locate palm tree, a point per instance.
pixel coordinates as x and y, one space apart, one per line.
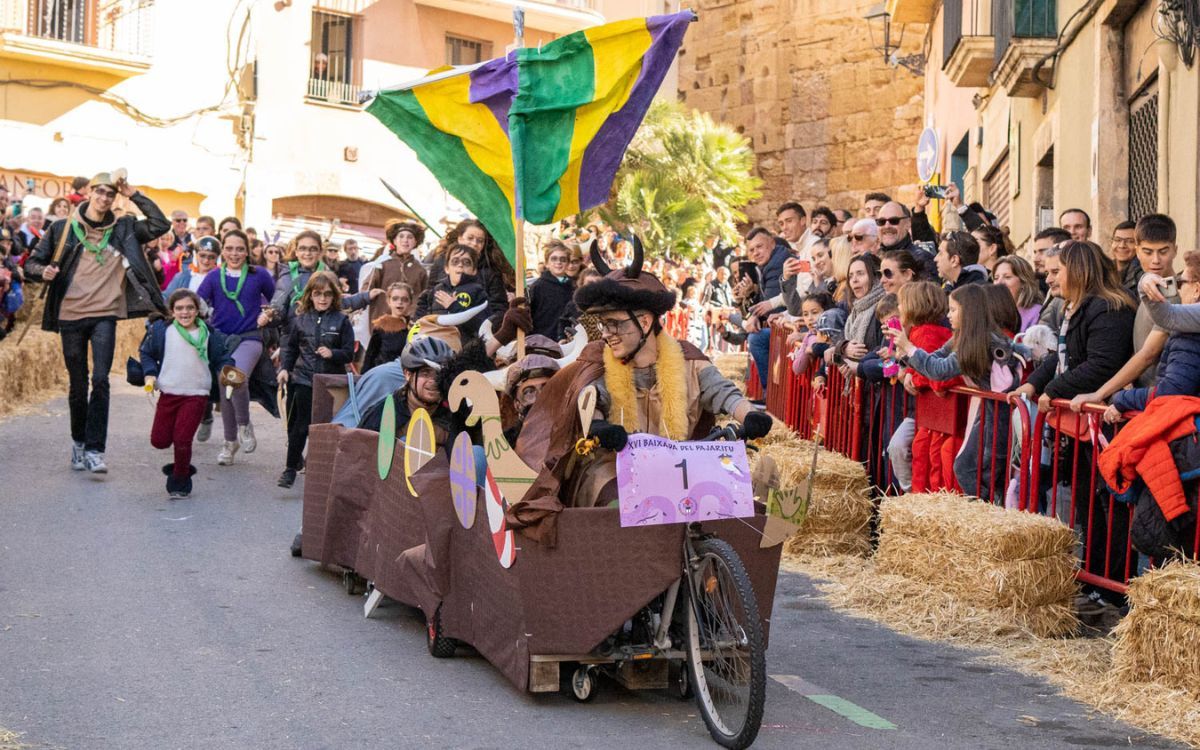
684 181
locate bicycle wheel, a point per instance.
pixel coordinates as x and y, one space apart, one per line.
726 657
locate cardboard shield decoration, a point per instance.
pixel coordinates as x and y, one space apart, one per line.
387 437
418 446
502 536
587 407
463 489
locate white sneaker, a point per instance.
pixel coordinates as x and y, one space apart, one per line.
225 457
204 432
94 462
246 438
77 456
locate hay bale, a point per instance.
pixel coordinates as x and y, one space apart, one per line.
1019 565
975 527
838 517
734 366
34 372
1159 640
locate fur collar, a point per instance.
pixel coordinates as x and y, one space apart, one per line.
672 387
390 323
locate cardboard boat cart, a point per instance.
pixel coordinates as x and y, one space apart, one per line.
552 606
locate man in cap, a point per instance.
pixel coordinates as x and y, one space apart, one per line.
646 381
97 275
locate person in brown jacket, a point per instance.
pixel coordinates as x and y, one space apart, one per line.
403 237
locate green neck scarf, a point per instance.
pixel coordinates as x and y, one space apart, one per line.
294 270
245 269
96 250
199 342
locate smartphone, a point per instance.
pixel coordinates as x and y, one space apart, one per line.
1168 287
935 191
29 184
748 270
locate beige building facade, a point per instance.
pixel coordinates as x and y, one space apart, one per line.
246 107
1041 106
829 119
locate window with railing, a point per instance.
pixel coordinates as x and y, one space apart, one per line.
461 50
333 73
116 25
1017 19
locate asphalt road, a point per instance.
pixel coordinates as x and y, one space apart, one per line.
131 621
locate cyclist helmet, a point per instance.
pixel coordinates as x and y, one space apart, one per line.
425 351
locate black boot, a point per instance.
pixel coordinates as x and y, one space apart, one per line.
287 478
178 489
296 544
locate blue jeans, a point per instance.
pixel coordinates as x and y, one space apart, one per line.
89 415
760 349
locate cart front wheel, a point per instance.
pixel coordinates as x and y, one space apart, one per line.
440 647
726 657
583 684
679 682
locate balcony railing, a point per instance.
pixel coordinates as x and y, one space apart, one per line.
1016 19
963 18
334 92
120 26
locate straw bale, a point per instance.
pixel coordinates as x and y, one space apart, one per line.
1019 584
827 544
734 366
34 372
1174 588
1153 645
976 527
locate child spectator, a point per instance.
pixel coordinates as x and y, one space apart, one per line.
320 340
988 360
927 460
181 357
697 327
550 294
887 403
457 290
830 331
810 312
390 332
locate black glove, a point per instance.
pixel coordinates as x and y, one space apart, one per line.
611 436
757 424
516 316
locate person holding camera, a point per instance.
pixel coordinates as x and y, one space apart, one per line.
97 274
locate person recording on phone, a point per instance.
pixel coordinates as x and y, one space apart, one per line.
97 274
764 297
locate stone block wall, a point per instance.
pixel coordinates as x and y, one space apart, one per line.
829 120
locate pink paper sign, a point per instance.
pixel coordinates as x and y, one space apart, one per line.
661 482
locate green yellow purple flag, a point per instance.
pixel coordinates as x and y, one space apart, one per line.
538 134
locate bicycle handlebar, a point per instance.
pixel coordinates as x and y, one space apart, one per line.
731 431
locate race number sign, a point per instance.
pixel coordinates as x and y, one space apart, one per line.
661 482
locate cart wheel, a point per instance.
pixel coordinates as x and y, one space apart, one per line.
583 684
726 656
679 684
440 647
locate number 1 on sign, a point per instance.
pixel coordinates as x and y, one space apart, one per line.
682 466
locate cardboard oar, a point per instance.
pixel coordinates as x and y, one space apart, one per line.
387 437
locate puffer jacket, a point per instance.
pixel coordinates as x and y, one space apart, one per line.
310 331
142 293
1178 374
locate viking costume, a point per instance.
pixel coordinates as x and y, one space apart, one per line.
676 397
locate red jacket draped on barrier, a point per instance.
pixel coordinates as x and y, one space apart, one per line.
1142 449
933 451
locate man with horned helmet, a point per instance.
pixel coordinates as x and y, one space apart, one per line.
646 381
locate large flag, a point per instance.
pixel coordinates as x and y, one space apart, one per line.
539 133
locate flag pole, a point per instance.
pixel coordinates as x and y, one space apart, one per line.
518 220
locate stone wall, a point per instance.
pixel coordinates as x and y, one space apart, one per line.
829 120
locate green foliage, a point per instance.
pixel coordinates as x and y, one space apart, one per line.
684 181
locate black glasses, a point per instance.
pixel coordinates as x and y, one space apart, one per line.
104 192
888 273
179 221
894 221
858 237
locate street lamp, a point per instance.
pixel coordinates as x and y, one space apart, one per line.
878 16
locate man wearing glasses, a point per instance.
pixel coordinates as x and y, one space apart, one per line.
1123 251
97 275
895 227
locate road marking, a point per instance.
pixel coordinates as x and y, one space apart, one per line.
837 704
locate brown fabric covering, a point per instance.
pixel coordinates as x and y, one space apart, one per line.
390 323
560 601
549 435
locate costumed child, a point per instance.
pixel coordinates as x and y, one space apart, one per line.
181 357
319 341
927 459
988 360
389 333
458 290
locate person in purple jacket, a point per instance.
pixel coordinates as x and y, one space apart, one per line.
236 293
